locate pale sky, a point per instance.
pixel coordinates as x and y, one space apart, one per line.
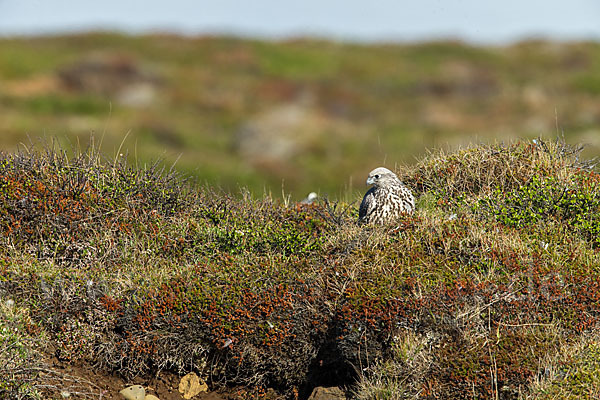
367 20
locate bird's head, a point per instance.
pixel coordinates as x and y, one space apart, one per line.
381 177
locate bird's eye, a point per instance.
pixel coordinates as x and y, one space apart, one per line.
376 176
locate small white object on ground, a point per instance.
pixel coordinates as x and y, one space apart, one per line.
311 198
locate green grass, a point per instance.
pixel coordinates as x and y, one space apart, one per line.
492 283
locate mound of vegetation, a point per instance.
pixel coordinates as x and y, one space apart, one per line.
490 290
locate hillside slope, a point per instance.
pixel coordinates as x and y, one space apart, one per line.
490 290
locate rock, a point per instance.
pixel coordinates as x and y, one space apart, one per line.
327 393
278 133
290 129
135 392
151 397
137 95
114 75
191 385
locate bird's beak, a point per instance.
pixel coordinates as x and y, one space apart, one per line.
370 180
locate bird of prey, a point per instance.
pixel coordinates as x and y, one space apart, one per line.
386 200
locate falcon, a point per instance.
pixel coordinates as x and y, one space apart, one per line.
386 200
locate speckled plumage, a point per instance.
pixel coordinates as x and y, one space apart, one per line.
386 200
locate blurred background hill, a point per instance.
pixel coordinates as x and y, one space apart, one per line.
305 111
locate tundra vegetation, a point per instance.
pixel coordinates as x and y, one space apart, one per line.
313 114
491 289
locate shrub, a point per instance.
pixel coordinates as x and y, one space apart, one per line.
575 203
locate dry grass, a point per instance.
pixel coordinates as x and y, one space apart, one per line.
401 376
573 372
477 171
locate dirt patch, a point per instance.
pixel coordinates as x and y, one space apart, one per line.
84 381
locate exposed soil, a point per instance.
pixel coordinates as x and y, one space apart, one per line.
84 381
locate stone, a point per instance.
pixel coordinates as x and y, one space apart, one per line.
135 392
151 397
191 385
327 393
113 75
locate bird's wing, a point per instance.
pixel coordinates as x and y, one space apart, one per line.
367 205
